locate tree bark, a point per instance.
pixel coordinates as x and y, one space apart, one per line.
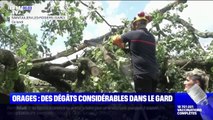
90 66
108 57
91 42
56 74
186 64
10 71
171 5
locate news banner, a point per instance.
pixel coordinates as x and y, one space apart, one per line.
88 98
183 106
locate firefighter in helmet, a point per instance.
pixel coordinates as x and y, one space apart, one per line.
142 48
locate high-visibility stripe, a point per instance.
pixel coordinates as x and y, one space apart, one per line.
143 41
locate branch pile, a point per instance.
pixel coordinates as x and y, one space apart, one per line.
58 75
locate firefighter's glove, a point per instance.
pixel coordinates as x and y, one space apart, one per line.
116 40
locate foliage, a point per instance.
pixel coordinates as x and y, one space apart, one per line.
17 39
26 2
7 80
73 25
8 76
20 41
111 78
174 41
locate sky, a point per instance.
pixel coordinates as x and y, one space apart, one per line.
115 11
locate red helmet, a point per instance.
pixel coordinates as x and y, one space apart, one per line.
143 16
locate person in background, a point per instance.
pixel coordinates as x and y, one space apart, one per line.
142 48
196 85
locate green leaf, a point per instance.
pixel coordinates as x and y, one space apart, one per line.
13 28
52 40
40 48
23 50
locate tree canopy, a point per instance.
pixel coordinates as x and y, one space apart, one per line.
103 67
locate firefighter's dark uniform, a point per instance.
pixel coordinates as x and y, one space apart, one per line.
143 56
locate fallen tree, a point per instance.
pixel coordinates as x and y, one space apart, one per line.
59 76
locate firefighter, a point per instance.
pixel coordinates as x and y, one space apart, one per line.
142 48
